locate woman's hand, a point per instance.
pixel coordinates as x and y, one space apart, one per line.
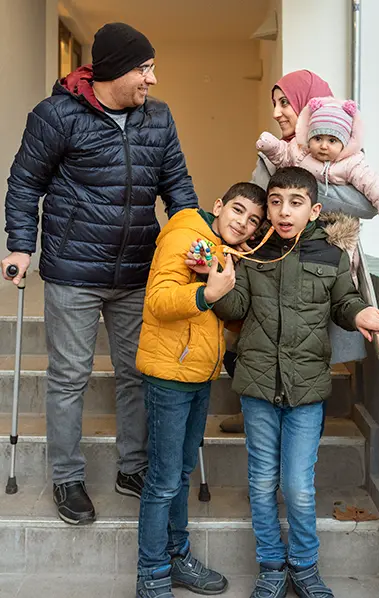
367 322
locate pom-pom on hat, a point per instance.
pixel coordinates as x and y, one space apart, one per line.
329 118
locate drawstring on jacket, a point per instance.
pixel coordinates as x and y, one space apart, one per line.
325 173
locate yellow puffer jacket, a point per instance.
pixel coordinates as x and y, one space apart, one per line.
178 341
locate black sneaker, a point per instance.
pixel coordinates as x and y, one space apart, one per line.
131 485
188 572
307 583
74 504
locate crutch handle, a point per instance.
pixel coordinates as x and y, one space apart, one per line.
11 271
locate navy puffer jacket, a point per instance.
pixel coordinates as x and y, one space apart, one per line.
98 225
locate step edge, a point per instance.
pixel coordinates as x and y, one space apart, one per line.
325 440
324 524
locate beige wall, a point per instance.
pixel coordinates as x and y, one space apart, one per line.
22 51
271 55
215 109
52 33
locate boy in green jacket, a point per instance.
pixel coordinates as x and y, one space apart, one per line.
283 372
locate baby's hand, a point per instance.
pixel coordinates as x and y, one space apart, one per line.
193 264
266 141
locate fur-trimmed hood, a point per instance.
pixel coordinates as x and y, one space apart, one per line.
302 127
342 230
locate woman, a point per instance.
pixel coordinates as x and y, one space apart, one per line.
289 96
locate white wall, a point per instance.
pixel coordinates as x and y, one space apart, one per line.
316 36
369 107
22 51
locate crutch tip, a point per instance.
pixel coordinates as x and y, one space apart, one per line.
204 494
11 487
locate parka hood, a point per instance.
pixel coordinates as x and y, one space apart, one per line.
79 84
341 229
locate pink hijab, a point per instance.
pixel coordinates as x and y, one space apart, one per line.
300 87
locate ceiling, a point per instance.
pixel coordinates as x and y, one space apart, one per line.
174 20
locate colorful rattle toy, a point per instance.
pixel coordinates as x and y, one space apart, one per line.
202 253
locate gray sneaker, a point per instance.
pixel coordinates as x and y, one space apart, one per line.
189 573
271 584
308 583
156 586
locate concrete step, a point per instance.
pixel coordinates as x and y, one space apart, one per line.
33 336
221 536
123 586
100 393
341 454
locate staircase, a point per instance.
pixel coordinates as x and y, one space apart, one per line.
42 554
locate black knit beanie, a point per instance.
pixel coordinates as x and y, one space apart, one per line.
117 49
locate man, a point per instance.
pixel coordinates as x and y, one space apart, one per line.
101 151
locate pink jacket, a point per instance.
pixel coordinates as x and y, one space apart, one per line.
349 168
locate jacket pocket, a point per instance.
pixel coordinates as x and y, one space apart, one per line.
191 344
317 280
67 229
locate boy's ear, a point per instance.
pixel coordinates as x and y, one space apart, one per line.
217 207
315 212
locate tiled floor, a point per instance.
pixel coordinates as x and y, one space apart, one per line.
59 586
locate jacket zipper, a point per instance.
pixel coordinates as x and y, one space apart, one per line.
218 351
128 192
66 232
127 201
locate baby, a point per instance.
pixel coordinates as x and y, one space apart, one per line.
328 143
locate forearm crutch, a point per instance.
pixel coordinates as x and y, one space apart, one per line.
204 494
11 487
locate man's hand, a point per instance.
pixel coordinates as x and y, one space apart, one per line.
367 321
21 260
219 283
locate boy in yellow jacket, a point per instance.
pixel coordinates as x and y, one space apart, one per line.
180 351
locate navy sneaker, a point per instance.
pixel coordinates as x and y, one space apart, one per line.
188 572
271 583
158 585
307 583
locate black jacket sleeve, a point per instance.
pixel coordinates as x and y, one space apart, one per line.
175 185
41 150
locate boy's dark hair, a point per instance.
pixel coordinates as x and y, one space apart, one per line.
294 177
249 190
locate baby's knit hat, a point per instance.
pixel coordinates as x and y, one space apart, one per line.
331 119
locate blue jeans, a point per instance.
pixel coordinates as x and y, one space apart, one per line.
176 424
230 366
282 444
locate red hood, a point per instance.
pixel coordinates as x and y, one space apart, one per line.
79 83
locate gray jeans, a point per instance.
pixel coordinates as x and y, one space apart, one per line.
71 320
